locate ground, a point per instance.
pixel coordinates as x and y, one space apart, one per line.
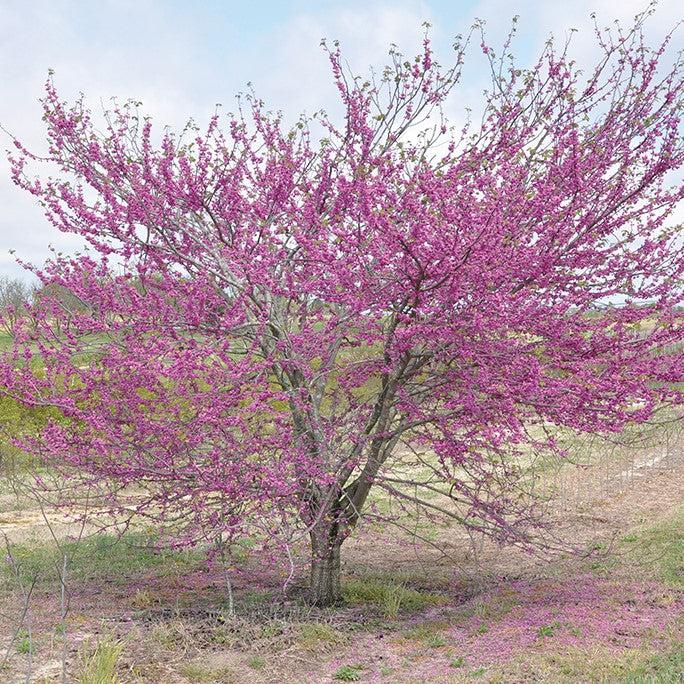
447 611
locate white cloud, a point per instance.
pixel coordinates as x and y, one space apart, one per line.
41 35
299 78
140 49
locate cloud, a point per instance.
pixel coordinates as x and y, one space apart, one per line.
103 55
300 80
141 50
180 60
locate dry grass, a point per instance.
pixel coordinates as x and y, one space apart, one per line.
404 608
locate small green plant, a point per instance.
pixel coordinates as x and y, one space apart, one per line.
315 635
172 634
24 644
348 673
391 601
458 661
143 599
478 672
436 641
548 630
256 663
99 666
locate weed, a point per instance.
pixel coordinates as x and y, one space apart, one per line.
497 607
256 663
390 597
348 673
172 634
548 630
392 600
436 641
24 643
99 666
143 599
199 674
314 635
458 661
429 633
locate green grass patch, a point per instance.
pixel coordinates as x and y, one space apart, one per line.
429 633
661 548
389 597
665 668
478 672
99 665
348 673
105 557
198 673
597 664
316 636
24 643
495 608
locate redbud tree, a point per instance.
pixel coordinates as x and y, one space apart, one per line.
271 321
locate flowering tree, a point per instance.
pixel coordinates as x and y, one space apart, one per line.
270 321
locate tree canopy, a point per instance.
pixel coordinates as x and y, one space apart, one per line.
271 320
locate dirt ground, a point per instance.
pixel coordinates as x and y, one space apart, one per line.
487 613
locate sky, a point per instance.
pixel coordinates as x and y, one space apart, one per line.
181 58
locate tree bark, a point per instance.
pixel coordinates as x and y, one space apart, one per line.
325 589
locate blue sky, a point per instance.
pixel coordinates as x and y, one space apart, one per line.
180 58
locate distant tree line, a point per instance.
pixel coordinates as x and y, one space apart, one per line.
15 295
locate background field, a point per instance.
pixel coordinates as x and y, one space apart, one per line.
447 609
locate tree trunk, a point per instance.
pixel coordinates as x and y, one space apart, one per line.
325 589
